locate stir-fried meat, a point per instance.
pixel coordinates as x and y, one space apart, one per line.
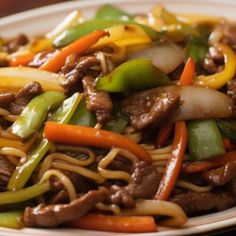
70 63
54 215
41 58
24 96
144 184
149 108
16 43
232 186
6 98
74 77
194 203
97 101
229 34
6 170
221 175
231 91
121 164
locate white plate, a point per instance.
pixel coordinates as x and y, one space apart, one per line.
41 20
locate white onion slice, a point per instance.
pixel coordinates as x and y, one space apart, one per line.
166 56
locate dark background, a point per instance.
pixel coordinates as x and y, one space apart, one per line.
8 7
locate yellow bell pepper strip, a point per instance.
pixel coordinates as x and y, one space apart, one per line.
14 78
174 164
23 172
92 137
219 79
24 194
125 224
11 219
34 114
78 47
133 75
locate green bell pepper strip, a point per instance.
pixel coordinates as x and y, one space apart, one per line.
110 12
227 129
34 114
82 116
11 219
133 75
196 49
86 27
117 124
204 139
24 194
22 173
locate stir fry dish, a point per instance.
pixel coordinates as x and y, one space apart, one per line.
120 123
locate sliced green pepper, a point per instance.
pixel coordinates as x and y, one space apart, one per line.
24 194
11 219
82 116
22 173
117 124
133 75
197 49
110 12
204 139
34 114
97 24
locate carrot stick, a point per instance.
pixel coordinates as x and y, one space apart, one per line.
78 46
188 73
126 224
93 137
199 166
21 60
163 135
174 164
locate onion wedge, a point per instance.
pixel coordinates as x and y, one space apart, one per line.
14 78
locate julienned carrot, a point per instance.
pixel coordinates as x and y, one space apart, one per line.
199 166
78 47
21 60
188 73
93 137
125 224
174 164
163 135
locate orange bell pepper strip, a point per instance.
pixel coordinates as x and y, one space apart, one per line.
174 164
163 135
22 60
125 224
188 74
199 166
79 46
93 137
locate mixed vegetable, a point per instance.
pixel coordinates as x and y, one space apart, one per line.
118 122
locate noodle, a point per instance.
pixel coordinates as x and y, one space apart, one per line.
157 207
12 159
193 187
10 117
4 112
115 174
109 207
133 134
64 180
12 151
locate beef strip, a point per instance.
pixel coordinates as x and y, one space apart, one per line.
149 108
54 215
143 185
70 63
221 175
194 203
97 101
74 77
6 98
14 44
6 170
24 96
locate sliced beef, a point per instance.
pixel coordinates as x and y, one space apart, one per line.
24 96
70 63
143 185
14 44
97 101
74 77
221 175
148 108
6 170
194 203
54 215
6 98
